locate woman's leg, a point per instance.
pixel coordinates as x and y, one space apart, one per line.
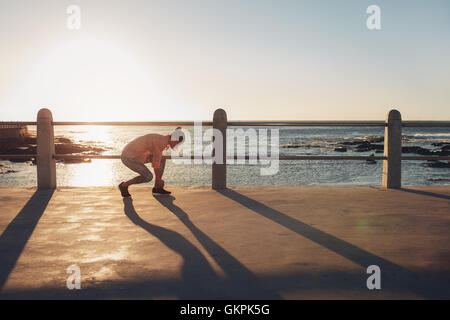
136 180
136 166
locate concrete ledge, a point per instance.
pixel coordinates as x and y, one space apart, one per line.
243 242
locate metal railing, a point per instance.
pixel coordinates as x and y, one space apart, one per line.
46 156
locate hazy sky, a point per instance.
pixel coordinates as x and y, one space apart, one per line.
158 60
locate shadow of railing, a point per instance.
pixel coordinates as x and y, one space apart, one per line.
17 233
393 275
426 193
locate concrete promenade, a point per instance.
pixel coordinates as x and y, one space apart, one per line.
243 242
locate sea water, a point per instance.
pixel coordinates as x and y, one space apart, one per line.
313 141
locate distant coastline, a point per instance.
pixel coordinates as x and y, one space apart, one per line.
17 140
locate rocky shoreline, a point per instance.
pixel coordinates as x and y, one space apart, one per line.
364 146
27 146
375 144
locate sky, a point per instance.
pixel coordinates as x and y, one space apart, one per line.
259 60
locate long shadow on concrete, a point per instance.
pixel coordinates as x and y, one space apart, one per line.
241 283
196 271
307 285
17 233
426 193
393 276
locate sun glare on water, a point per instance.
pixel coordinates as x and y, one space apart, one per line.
92 134
97 172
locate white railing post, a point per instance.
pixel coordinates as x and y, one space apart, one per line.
392 166
46 164
219 171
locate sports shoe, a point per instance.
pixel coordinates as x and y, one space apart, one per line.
124 191
160 191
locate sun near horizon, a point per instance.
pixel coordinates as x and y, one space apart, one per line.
156 61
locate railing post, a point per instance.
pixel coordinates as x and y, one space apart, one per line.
46 164
219 171
392 166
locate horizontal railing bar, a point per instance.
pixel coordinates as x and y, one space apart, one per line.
334 158
338 123
412 124
239 123
111 123
136 123
265 158
58 156
75 157
306 124
18 123
17 156
426 158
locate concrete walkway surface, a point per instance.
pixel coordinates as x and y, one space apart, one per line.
240 243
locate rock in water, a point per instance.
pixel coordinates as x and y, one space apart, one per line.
340 149
436 164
